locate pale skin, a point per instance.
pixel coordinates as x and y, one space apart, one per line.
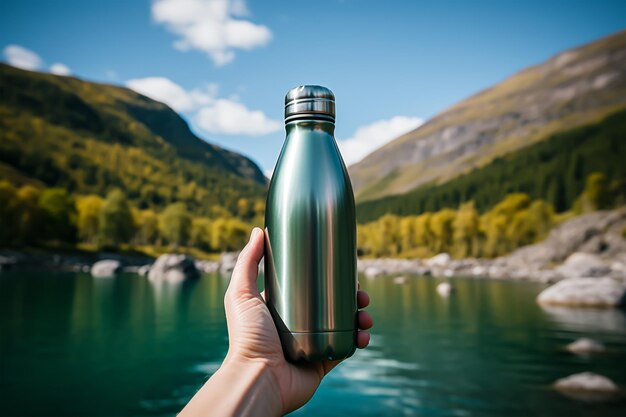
255 379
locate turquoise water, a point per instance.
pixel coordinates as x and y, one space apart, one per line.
72 345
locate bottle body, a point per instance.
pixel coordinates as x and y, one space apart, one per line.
310 255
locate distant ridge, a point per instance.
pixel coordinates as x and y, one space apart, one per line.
576 87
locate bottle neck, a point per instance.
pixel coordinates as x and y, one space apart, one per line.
311 124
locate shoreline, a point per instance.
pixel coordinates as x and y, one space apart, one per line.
503 268
442 265
591 245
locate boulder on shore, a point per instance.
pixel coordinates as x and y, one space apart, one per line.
106 268
440 260
585 346
208 267
587 386
584 292
228 260
597 232
580 264
173 268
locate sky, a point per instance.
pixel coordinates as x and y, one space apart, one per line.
225 65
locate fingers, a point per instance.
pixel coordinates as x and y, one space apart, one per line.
362 339
362 299
246 269
364 320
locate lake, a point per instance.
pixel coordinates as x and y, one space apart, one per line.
72 345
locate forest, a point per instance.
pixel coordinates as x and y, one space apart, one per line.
554 170
52 216
515 221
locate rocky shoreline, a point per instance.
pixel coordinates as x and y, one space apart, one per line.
591 245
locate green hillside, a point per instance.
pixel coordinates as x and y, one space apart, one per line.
89 138
553 169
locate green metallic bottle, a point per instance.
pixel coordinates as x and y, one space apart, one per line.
310 232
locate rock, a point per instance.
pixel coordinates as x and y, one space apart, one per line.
576 235
173 268
400 280
106 268
585 346
208 266
479 271
228 260
586 381
7 263
132 269
441 260
618 267
445 289
372 271
143 270
584 292
580 264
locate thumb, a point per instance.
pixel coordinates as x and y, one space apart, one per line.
246 269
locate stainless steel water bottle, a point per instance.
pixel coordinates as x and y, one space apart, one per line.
310 232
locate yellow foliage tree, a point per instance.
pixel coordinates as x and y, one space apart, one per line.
88 208
466 228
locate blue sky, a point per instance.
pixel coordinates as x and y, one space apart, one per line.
226 64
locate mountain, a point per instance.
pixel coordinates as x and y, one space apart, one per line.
556 170
89 137
574 88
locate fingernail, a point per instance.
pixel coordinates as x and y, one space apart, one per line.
255 232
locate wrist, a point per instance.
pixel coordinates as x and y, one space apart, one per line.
238 388
254 379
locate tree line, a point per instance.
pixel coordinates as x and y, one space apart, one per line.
32 216
515 221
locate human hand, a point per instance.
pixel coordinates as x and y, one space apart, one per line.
255 378
253 335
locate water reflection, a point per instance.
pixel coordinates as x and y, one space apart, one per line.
126 346
587 319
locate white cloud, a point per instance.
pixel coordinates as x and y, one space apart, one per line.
229 117
211 26
368 138
165 90
226 116
21 57
60 69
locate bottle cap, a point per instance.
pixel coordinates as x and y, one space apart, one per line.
310 101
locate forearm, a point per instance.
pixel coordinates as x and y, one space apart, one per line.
237 389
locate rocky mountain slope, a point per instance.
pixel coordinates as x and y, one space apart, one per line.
576 87
88 137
